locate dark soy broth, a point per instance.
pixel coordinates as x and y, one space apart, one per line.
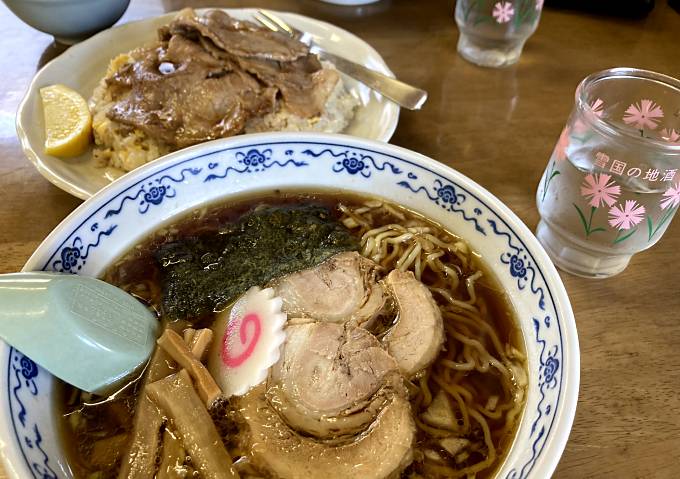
96 430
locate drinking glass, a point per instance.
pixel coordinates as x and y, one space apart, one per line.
612 186
493 32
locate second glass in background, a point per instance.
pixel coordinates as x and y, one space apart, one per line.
493 32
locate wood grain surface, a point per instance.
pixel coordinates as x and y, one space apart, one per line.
498 127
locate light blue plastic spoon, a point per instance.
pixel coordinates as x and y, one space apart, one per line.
82 330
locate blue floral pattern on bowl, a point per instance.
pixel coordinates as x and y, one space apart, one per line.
23 390
354 162
261 165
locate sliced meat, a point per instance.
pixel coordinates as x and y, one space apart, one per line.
332 379
382 451
184 53
304 85
238 38
418 335
183 96
181 115
209 75
275 59
306 95
340 289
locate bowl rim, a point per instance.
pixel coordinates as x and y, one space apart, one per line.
558 295
33 90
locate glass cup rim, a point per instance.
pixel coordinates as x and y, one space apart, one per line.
606 128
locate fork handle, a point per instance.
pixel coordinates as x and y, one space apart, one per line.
399 92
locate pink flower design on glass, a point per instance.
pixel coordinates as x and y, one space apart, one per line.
643 114
624 218
671 197
503 12
600 189
597 107
539 5
562 145
670 135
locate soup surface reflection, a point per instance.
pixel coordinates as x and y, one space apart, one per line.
402 356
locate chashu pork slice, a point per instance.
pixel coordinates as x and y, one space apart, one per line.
382 451
340 289
332 380
418 335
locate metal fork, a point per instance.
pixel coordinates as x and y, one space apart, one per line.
399 92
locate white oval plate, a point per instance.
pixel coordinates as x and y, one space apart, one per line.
83 65
103 228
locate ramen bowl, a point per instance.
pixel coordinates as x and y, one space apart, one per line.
129 210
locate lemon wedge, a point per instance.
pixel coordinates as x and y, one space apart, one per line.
68 123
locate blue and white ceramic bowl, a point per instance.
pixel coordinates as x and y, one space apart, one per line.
125 212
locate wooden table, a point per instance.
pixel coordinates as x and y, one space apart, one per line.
498 127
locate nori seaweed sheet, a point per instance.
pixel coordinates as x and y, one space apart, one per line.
205 273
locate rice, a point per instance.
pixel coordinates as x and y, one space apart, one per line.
126 148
